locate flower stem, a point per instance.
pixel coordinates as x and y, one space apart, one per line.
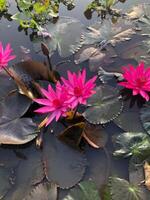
8 72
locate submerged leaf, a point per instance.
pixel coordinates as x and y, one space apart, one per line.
104 106
86 190
72 135
95 135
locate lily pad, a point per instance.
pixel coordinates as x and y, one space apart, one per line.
122 189
86 190
132 144
63 165
13 106
65 36
129 121
104 106
106 32
18 131
145 117
5 176
45 191
29 173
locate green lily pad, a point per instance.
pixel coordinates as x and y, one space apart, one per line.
122 189
131 143
145 117
104 106
86 190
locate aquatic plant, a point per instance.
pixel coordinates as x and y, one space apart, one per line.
79 90
137 79
55 102
5 55
3 5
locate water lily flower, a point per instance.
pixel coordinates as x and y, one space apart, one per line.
54 103
5 55
78 89
137 79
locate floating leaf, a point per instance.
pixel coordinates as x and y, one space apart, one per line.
5 176
121 189
95 135
7 85
63 165
13 106
107 32
104 106
95 56
145 117
132 144
65 36
28 174
105 76
129 121
18 131
45 191
86 190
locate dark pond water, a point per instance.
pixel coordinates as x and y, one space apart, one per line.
100 162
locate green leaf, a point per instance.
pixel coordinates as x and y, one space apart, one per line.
104 106
86 190
122 189
132 144
145 117
109 3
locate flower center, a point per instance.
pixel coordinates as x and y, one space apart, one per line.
141 81
56 103
77 91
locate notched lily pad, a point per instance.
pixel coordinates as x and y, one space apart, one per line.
45 191
63 165
86 190
131 143
122 189
104 106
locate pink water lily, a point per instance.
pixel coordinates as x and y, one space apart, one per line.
78 89
137 79
54 103
5 55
